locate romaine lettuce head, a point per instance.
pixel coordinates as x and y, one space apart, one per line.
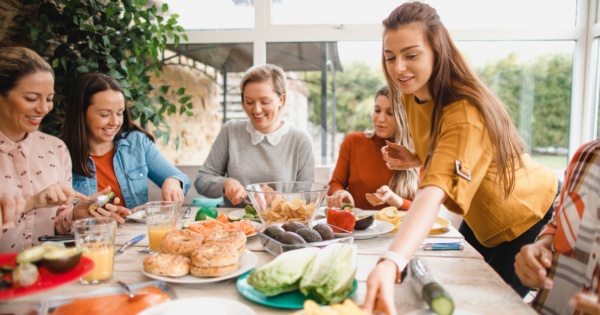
283 273
333 286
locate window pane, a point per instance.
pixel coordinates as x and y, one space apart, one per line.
509 14
218 15
534 79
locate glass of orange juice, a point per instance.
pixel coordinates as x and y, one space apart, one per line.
96 238
161 217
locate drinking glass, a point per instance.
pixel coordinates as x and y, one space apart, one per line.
96 238
161 217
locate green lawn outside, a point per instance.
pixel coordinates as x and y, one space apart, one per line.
555 162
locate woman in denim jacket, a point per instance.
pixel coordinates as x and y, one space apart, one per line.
110 152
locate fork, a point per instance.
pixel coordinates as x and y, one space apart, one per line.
145 250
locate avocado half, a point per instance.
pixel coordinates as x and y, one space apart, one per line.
62 260
363 221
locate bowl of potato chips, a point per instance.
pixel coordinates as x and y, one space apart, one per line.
280 202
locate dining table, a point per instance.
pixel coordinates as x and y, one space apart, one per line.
473 285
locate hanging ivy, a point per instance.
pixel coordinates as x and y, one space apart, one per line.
122 38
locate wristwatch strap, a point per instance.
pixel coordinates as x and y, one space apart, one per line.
398 260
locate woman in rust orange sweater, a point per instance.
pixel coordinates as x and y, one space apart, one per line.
361 170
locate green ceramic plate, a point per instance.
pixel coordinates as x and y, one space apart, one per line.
292 300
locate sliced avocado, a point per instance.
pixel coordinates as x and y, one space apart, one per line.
233 218
34 254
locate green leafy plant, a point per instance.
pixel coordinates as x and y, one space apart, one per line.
122 38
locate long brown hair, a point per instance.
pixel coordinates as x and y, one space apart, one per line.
403 183
452 79
74 132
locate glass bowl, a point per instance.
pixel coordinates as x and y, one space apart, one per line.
280 202
275 247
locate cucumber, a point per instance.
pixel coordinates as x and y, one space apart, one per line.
431 291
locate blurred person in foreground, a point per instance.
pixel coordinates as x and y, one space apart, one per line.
35 167
360 170
473 157
262 149
564 261
112 153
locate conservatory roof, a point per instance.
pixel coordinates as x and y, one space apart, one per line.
238 57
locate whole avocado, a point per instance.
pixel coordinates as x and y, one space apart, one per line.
324 230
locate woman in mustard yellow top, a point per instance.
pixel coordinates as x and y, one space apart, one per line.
473 158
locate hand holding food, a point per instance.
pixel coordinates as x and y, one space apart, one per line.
339 198
234 191
54 195
398 157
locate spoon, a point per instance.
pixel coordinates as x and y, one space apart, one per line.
126 288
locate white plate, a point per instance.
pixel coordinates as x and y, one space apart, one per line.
240 213
204 305
377 228
138 216
247 261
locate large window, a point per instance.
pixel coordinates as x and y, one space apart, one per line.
536 56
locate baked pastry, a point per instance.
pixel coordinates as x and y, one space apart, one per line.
236 238
167 265
214 260
181 242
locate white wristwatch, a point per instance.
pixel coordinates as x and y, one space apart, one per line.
398 260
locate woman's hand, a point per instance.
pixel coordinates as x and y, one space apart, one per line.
234 191
80 211
398 157
386 195
585 303
339 198
531 264
380 289
11 208
54 195
172 191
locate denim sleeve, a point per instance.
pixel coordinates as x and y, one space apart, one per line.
159 168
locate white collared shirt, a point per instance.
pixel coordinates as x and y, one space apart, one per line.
273 138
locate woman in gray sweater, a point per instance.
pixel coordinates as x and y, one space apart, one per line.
261 149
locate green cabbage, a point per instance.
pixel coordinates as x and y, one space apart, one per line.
283 273
330 276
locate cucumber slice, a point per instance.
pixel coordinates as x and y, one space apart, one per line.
438 299
233 218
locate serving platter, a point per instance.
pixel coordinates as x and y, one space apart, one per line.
47 280
247 261
289 300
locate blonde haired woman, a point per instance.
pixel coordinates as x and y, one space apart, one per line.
262 149
361 170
